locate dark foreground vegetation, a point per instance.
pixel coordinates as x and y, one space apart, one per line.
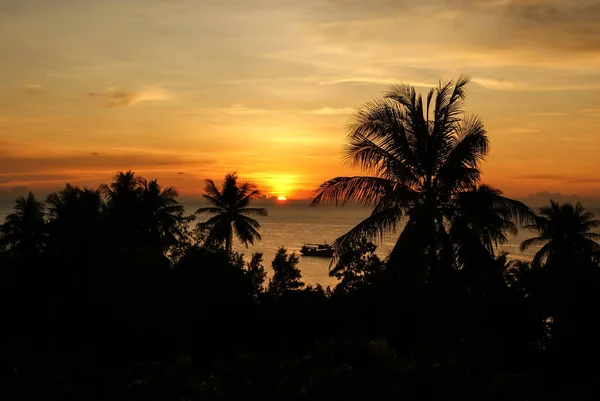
109 295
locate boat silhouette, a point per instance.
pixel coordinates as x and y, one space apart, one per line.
323 250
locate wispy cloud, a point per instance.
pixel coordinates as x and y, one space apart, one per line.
518 130
95 161
238 109
496 84
331 111
372 79
538 177
114 97
547 114
32 89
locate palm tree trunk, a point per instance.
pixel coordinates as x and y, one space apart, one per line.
229 240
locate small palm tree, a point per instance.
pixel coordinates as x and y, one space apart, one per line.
481 220
124 191
163 212
230 207
24 231
74 206
516 273
565 234
75 216
420 156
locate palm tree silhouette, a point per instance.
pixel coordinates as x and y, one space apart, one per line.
124 209
517 274
481 220
23 233
565 234
230 205
74 222
567 283
163 213
421 155
124 192
73 206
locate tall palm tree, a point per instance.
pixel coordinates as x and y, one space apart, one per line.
420 155
124 191
163 212
565 234
124 211
230 207
23 233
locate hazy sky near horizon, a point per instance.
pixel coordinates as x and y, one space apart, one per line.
183 90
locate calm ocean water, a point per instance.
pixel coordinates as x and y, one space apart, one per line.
295 223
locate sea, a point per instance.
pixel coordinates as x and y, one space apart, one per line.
294 223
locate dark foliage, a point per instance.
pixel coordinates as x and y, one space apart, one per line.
286 275
110 294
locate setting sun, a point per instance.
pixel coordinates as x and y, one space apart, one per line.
281 198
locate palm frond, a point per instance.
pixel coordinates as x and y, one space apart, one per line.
460 167
209 210
245 230
528 243
249 211
362 190
542 254
246 196
379 142
592 237
372 228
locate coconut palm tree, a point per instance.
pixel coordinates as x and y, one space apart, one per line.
481 220
565 234
163 213
124 212
420 156
568 282
232 214
23 233
124 192
74 220
74 206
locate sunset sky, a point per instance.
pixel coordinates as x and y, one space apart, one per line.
183 90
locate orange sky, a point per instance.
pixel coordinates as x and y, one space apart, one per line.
182 90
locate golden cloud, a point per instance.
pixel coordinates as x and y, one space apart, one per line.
32 89
115 97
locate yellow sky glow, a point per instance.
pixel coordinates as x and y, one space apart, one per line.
183 90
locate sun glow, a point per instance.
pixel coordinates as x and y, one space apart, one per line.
280 184
281 198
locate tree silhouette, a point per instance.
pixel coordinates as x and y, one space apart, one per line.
74 230
23 233
256 272
123 195
357 268
568 282
486 218
565 234
163 213
73 209
422 155
230 205
481 221
286 275
518 275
